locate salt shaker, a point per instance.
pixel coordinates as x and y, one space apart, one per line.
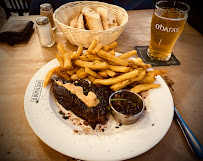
47 10
44 31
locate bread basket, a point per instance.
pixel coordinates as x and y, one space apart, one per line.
80 37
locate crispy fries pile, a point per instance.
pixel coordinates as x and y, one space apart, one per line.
100 65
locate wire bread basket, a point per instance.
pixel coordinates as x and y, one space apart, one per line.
80 37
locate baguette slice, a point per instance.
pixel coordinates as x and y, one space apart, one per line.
80 23
74 21
108 18
92 18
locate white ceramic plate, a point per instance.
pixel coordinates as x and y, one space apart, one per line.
114 143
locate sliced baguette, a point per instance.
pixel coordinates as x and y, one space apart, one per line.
80 23
74 21
92 18
108 18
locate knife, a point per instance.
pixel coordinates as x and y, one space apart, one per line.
190 137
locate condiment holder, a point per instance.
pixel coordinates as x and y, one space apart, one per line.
44 31
123 118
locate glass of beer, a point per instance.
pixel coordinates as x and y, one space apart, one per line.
167 23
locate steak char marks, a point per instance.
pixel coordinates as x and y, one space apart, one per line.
92 115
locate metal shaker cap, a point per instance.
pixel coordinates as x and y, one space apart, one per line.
45 7
42 20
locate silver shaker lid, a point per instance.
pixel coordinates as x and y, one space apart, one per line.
45 7
42 20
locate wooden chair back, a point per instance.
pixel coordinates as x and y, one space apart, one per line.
16 6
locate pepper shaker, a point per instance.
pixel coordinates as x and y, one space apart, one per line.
44 31
47 10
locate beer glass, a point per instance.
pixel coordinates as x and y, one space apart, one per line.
167 23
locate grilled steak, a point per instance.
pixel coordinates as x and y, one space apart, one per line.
92 115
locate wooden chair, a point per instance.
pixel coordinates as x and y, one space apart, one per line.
16 6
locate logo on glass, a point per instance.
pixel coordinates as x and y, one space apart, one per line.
167 29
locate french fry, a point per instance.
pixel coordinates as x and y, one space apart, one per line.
80 70
112 52
138 60
124 83
87 57
112 58
78 53
90 58
61 73
91 65
158 72
67 61
103 74
92 73
98 58
96 49
117 79
73 71
74 77
86 53
97 61
100 65
110 46
119 68
135 64
61 48
144 87
81 73
91 78
128 54
149 78
110 72
112 63
132 64
144 65
65 55
92 45
60 59
49 75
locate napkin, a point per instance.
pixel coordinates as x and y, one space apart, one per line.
15 31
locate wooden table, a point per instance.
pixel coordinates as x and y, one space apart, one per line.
20 62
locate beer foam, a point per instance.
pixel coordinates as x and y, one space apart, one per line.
172 19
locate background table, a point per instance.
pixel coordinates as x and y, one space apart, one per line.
20 62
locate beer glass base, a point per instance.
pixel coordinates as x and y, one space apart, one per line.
153 57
